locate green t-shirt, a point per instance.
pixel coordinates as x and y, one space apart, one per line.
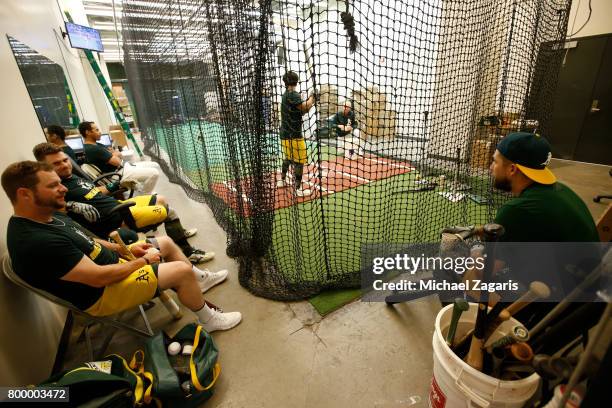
68 150
98 155
42 254
291 116
340 119
83 191
547 213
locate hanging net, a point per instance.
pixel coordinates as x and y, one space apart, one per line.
411 99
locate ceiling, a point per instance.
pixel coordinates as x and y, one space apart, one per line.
105 16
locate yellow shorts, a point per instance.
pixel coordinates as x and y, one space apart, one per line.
139 287
145 212
295 150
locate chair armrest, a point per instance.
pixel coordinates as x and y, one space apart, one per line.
106 175
122 206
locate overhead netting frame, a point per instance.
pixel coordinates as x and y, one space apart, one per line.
433 84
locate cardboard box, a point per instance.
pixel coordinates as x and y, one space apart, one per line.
119 138
482 153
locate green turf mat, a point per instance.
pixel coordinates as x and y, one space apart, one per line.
330 300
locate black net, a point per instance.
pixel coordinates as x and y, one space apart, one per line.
432 86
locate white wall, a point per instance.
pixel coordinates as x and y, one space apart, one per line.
600 22
394 57
30 327
104 111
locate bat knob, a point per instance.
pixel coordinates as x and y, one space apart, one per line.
461 304
493 231
539 289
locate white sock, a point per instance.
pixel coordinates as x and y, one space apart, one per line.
172 215
200 274
205 314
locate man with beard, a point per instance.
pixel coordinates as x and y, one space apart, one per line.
51 252
542 209
91 206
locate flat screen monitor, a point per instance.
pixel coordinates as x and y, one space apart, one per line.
84 37
106 140
76 143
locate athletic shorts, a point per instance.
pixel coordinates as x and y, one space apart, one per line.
145 213
295 150
139 287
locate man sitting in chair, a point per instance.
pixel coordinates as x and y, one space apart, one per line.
145 173
91 206
57 135
50 252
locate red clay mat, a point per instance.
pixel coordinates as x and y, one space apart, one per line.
337 175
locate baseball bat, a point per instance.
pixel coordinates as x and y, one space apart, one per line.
521 352
168 302
309 67
560 308
553 367
517 334
502 316
537 290
460 305
474 358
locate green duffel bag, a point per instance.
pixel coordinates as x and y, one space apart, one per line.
90 387
202 368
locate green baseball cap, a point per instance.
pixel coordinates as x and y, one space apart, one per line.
531 154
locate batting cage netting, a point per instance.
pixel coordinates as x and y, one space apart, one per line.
411 98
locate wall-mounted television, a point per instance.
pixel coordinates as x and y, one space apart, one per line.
84 37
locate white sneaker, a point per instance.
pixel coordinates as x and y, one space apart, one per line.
303 192
211 279
199 256
222 321
190 232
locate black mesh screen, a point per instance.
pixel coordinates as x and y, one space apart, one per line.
433 86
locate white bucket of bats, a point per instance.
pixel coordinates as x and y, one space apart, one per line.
456 385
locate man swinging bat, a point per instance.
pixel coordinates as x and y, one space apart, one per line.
292 140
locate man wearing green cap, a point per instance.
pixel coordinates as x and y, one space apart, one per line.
542 209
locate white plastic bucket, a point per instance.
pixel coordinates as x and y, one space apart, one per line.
455 384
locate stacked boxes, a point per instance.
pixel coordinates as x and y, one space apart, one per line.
373 112
328 101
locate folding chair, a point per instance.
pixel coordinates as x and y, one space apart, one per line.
113 321
93 174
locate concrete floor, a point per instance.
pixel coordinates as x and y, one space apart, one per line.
285 355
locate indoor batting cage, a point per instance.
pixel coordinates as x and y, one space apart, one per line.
409 99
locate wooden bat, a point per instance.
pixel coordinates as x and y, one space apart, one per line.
521 352
168 302
492 233
537 290
459 306
517 334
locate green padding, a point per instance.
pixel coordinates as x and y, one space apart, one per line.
331 300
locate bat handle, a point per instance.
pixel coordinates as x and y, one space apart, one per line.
170 305
168 302
475 355
459 306
452 329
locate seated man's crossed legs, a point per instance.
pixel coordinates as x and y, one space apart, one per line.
145 174
175 272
